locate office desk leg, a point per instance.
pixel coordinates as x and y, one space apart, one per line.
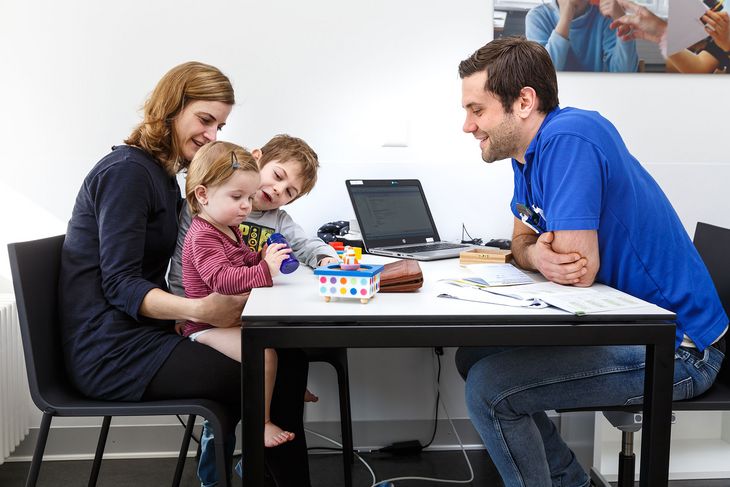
253 412
657 419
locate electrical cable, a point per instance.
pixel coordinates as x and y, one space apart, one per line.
327 438
438 397
382 483
472 240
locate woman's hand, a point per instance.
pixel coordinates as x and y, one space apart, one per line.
221 310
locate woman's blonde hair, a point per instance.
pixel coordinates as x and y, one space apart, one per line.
182 84
212 165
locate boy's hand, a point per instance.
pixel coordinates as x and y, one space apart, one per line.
274 255
327 261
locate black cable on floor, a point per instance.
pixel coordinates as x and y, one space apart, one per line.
438 395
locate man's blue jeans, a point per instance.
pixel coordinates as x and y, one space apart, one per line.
508 390
206 465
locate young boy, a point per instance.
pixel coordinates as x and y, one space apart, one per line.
288 169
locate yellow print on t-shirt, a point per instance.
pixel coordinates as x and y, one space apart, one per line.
255 235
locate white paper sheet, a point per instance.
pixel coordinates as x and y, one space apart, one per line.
452 290
573 299
499 274
685 27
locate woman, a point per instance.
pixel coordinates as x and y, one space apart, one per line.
116 311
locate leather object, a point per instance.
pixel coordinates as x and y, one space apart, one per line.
401 276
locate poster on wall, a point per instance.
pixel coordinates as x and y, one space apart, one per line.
623 36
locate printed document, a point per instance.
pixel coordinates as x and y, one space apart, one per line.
462 289
576 300
498 274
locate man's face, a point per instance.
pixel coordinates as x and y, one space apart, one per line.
496 130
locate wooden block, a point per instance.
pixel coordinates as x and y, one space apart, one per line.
484 255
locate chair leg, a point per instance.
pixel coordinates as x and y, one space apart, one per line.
99 451
40 446
183 451
626 460
343 382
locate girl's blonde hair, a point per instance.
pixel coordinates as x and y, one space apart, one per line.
182 84
212 165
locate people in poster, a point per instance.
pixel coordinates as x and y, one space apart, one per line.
678 36
710 55
578 37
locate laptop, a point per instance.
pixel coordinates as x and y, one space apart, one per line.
395 220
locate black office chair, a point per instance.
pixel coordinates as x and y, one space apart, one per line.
712 243
35 268
337 357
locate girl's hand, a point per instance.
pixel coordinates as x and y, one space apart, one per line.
274 255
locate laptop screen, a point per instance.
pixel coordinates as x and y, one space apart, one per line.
391 212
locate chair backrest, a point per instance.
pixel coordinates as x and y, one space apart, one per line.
35 267
713 243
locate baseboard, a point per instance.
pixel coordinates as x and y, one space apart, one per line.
163 440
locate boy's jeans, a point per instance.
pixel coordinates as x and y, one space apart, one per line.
508 391
206 465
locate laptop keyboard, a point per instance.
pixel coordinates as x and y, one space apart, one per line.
427 248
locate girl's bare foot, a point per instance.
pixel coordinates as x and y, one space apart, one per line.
309 397
275 436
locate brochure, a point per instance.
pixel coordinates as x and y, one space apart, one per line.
576 300
498 274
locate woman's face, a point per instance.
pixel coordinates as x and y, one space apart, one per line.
198 123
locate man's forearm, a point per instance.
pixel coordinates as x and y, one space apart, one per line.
520 250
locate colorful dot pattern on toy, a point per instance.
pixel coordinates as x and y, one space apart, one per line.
362 283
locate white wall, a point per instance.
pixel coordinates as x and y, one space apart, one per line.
348 77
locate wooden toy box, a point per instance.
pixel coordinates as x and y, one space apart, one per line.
335 282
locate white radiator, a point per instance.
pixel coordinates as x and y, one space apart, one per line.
15 401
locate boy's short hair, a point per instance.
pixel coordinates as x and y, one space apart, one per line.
212 165
285 148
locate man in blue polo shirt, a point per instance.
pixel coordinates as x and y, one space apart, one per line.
584 211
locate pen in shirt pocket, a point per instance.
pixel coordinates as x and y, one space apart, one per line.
530 217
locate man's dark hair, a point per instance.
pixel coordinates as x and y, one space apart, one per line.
513 63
